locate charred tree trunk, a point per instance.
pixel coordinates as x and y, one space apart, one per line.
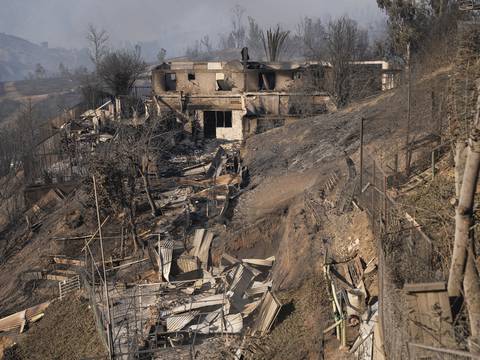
130 207
133 229
146 185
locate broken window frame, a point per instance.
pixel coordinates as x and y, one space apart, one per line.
223 119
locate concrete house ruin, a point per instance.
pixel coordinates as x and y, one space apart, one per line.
235 99
231 100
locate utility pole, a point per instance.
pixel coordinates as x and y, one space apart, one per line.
107 297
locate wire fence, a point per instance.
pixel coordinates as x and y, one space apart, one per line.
405 254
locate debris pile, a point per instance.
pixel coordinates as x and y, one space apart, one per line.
191 300
175 297
355 311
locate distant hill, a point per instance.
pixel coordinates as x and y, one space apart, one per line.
18 58
48 98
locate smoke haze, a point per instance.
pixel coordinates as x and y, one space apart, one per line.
172 25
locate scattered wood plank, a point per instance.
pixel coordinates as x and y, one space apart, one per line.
66 261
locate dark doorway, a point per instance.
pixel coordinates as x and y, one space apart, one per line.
209 124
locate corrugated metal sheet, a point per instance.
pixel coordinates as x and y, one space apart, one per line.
201 245
197 303
166 252
229 324
269 309
14 321
178 322
242 278
188 263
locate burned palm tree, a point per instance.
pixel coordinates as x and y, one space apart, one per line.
274 42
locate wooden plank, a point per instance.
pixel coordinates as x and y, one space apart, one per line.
65 261
56 277
331 327
413 329
424 317
426 287
445 306
433 305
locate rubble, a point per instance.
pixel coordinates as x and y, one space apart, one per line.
179 296
353 308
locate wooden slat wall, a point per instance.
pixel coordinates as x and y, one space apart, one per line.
429 315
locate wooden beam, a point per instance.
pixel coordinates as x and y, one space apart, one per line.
426 287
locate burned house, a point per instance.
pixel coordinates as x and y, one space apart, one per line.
235 99
231 100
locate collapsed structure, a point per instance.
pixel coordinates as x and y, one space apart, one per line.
236 99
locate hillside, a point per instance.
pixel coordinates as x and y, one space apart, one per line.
48 98
18 58
289 168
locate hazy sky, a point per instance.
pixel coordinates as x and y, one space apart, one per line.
174 23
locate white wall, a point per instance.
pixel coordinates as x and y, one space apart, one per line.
236 131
